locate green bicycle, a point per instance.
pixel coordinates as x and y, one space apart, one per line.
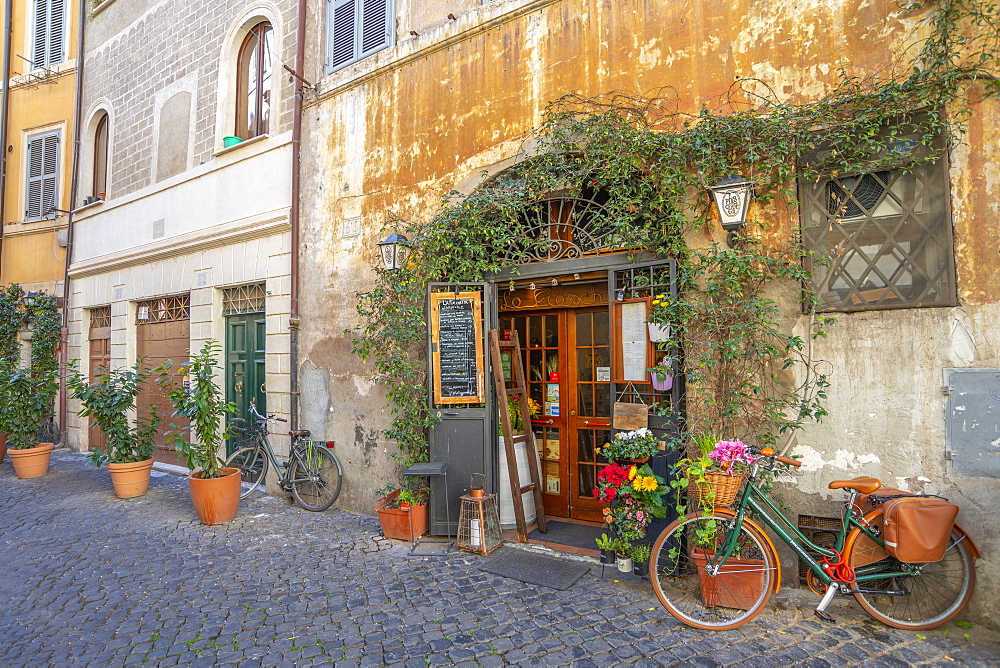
312 473
717 569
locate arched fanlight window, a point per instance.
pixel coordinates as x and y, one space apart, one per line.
101 156
253 83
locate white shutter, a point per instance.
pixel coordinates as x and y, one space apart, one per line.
43 174
341 26
57 25
375 26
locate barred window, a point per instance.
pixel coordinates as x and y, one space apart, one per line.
880 240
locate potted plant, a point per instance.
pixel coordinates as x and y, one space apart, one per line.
402 511
714 478
26 405
662 375
108 401
608 547
632 496
640 559
195 394
636 446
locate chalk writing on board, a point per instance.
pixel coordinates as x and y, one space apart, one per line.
457 348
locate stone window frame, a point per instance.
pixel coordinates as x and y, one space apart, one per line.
44 50
89 153
261 33
38 140
881 240
347 40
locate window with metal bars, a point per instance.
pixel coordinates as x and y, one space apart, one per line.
880 240
163 309
48 33
356 29
244 299
100 317
43 175
253 84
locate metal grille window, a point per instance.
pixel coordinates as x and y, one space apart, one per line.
163 309
48 34
244 299
881 240
43 175
356 29
100 317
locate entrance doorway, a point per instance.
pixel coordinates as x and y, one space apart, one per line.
245 350
567 357
100 361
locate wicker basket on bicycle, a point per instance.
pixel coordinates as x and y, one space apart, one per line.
726 487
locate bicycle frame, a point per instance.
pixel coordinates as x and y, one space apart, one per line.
764 510
297 452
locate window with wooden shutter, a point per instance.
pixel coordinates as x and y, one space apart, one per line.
43 175
49 31
356 29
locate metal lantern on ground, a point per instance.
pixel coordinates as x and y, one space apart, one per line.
394 251
732 199
479 519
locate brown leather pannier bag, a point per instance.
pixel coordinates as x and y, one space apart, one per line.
916 528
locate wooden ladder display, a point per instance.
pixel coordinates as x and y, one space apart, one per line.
519 388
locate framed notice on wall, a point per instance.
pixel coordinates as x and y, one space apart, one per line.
457 355
630 340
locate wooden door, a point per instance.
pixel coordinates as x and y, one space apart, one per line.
245 351
100 360
163 334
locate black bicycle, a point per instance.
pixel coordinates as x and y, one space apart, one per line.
312 473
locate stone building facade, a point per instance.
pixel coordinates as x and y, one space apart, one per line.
448 98
183 233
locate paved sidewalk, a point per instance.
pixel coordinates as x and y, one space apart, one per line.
88 579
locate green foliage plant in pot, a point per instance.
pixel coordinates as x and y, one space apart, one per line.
109 402
635 446
402 511
195 394
27 399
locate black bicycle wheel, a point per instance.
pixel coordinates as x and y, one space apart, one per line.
928 596
252 463
315 478
679 565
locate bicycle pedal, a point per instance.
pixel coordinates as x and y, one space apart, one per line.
287 486
825 616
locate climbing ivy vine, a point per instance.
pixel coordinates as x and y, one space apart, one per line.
747 375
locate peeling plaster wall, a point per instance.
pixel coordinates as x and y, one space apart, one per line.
394 132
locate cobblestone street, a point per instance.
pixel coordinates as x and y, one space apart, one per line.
92 580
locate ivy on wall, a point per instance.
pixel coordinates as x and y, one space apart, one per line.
746 375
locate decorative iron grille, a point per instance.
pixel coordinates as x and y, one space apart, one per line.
563 228
244 299
100 317
163 309
880 240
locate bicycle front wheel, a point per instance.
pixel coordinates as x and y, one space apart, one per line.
917 596
315 478
252 463
681 568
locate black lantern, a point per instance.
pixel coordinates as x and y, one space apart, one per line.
29 298
732 198
394 250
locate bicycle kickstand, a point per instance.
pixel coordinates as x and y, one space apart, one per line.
820 611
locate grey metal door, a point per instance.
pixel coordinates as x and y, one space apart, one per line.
461 435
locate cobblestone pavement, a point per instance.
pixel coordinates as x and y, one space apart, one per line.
88 579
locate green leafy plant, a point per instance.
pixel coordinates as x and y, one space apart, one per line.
12 321
195 395
26 403
607 543
638 444
109 400
640 552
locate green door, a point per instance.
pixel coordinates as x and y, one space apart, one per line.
245 364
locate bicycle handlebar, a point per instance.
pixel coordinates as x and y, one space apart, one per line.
769 452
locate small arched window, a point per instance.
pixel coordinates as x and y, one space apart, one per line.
101 156
253 83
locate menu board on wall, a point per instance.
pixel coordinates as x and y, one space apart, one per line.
457 347
631 342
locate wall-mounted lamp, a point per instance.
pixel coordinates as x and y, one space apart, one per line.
394 251
732 199
29 298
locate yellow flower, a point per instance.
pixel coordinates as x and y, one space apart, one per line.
631 473
645 483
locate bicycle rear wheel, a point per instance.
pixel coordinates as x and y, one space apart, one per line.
928 596
252 463
679 565
315 478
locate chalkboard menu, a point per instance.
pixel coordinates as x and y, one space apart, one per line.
457 347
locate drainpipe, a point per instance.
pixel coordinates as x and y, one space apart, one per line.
293 215
74 185
3 117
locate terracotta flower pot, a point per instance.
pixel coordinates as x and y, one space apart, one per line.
216 500
737 585
397 522
32 462
130 479
3 446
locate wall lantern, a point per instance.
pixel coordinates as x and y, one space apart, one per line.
394 250
732 199
29 298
